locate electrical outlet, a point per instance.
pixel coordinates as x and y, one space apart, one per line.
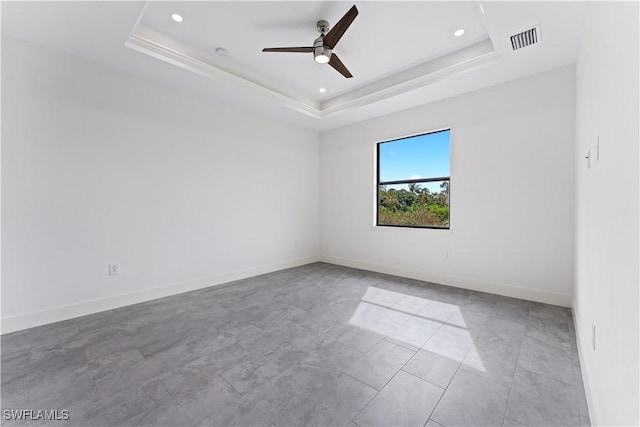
593 336
114 269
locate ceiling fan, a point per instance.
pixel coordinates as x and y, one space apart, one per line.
323 46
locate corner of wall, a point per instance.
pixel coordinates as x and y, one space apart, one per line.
586 377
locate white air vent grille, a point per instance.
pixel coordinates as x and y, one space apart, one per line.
525 38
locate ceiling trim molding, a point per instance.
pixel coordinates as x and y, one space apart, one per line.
424 74
161 46
144 39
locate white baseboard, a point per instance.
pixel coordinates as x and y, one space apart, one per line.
57 314
591 403
538 295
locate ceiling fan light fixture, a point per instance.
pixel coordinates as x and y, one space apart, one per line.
323 45
322 54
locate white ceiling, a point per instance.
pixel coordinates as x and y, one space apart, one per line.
401 54
371 48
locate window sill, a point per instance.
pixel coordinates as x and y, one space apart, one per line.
401 227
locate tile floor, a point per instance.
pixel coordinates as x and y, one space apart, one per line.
316 345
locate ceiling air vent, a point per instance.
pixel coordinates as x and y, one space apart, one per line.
525 38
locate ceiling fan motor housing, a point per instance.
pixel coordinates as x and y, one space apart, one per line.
323 26
321 53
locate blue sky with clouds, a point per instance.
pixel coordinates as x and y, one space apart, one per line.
423 156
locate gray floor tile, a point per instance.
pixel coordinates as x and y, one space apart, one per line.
466 318
553 332
308 377
222 360
262 406
546 359
40 337
377 366
414 333
512 310
432 367
161 359
191 406
105 365
43 363
317 340
190 347
379 319
16 368
360 339
549 312
186 378
264 340
51 387
450 341
335 401
492 360
129 377
15 394
411 304
438 311
77 399
405 401
249 375
471 400
540 400
382 297
334 356
125 406
307 346
112 338
503 331
333 313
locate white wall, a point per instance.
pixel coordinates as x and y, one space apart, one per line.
99 166
512 148
607 215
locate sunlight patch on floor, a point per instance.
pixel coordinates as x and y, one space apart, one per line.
414 321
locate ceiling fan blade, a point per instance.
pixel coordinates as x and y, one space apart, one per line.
339 66
288 49
336 33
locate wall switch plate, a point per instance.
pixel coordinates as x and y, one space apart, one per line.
114 269
588 157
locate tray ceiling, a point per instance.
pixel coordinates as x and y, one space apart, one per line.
400 53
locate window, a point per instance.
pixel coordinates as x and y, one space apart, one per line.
413 181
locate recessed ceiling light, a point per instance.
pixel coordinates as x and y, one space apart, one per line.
322 90
459 32
176 17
